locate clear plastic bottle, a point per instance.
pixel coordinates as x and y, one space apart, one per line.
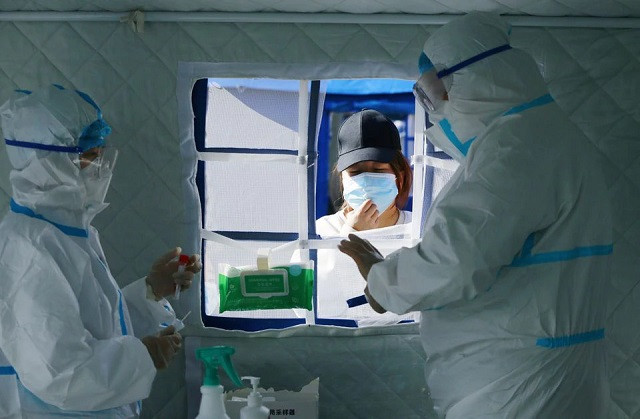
254 408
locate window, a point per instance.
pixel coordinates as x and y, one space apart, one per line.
264 157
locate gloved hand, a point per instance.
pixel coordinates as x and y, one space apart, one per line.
164 275
365 255
163 346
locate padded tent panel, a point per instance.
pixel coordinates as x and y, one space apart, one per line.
387 368
594 74
522 7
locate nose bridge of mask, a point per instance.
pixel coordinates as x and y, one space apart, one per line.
371 180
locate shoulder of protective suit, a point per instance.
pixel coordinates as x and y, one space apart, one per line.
527 143
28 238
508 140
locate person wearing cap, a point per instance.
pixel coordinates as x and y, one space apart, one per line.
512 269
72 343
375 177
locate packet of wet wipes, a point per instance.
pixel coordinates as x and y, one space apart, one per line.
248 288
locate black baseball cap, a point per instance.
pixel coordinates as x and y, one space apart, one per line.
367 135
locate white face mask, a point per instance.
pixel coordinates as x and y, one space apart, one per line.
96 186
97 177
453 132
381 188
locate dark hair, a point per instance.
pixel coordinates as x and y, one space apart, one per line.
404 178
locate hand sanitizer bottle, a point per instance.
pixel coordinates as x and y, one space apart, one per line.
254 408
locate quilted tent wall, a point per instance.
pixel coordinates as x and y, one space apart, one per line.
594 74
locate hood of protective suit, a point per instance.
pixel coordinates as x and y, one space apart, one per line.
44 133
489 79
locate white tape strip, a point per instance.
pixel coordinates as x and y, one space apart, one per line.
307 244
225 157
446 164
333 244
219 238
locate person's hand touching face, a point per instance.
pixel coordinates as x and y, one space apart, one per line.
365 216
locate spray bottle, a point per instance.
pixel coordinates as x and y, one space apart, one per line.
254 408
212 402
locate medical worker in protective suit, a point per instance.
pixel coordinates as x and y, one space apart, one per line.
512 271
68 344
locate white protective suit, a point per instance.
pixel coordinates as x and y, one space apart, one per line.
512 272
66 338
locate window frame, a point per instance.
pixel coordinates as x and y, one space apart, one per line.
204 71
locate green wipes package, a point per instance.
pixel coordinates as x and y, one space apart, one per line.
280 287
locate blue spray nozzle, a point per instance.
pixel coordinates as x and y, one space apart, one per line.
216 356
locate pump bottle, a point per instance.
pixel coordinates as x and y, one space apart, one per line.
254 408
212 402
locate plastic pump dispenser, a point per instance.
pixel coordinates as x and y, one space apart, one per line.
212 402
254 408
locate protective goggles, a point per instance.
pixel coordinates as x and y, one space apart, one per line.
99 160
429 90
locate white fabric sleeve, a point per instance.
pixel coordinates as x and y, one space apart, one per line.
346 229
55 356
147 315
477 226
333 225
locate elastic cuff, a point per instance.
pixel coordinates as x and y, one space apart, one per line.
150 294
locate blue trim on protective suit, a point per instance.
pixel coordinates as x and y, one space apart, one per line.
69 231
424 63
448 131
91 102
46 147
563 255
528 245
123 325
7 370
445 125
540 101
92 135
564 341
446 71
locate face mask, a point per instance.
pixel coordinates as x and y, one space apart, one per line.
381 188
430 91
97 177
96 182
452 132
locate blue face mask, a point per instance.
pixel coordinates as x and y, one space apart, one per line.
379 187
